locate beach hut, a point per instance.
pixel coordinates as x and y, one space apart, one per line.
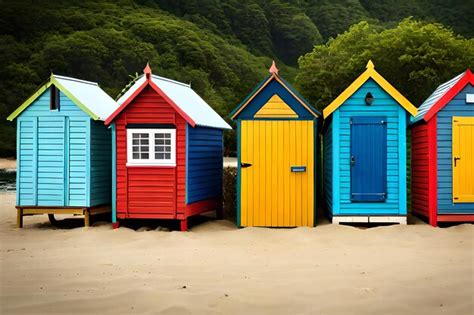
276 132
63 150
443 153
167 152
365 172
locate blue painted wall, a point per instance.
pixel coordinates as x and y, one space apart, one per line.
327 164
204 156
456 107
54 154
383 105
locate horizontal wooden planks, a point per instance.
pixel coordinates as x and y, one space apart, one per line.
420 169
150 192
383 105
204 164
456 107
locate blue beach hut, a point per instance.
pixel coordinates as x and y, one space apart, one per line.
63 150
364 152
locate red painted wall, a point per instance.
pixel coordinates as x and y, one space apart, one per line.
420 180
424 170
143 191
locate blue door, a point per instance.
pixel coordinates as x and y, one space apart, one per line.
368 159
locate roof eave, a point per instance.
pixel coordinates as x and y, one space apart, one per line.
51 81
370 73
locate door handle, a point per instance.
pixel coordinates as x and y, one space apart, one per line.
245 165
456 160
353 160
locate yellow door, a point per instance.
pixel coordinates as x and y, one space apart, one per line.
277 173
463 159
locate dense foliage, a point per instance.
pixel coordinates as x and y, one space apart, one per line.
415 57
223 47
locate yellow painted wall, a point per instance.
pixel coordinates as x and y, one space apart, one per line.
272 195
463 169
275 108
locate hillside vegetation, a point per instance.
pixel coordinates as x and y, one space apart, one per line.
222 48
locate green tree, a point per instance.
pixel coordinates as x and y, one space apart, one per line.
414 56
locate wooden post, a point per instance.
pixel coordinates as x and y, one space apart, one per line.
87 221
19 218
183 225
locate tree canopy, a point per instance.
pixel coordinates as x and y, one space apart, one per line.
224 47
414 56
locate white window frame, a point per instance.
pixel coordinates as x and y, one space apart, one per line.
151 161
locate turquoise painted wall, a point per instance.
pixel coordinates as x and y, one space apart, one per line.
54 154
383 105
456 107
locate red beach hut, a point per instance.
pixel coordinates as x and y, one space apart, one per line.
167 146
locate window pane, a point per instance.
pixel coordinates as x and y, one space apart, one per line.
168 149
159 136
168 156
159 156
168 142
135 149
144 149
160 149
136 156
144 142
144 156
159 142
144 135
135 135
135 142
167 135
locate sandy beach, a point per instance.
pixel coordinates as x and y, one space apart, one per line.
219 269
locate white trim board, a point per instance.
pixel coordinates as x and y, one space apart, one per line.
369 219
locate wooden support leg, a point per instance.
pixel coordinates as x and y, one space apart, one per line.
87 218
19 218
184 225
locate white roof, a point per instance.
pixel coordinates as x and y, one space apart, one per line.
435 97
185 98
90 95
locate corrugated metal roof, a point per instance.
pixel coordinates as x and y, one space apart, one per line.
185 98
435 97
90 95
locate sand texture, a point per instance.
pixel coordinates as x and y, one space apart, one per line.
219 269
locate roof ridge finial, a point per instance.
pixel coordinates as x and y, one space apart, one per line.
370 65
147 70
273 69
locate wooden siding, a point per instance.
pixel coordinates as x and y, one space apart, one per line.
100 171
327 166
383 105
26 161
49 139
144 191
420 170
204 164
271 193
456 107
274 87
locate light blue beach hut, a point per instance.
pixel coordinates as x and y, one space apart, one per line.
365 172
63 150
